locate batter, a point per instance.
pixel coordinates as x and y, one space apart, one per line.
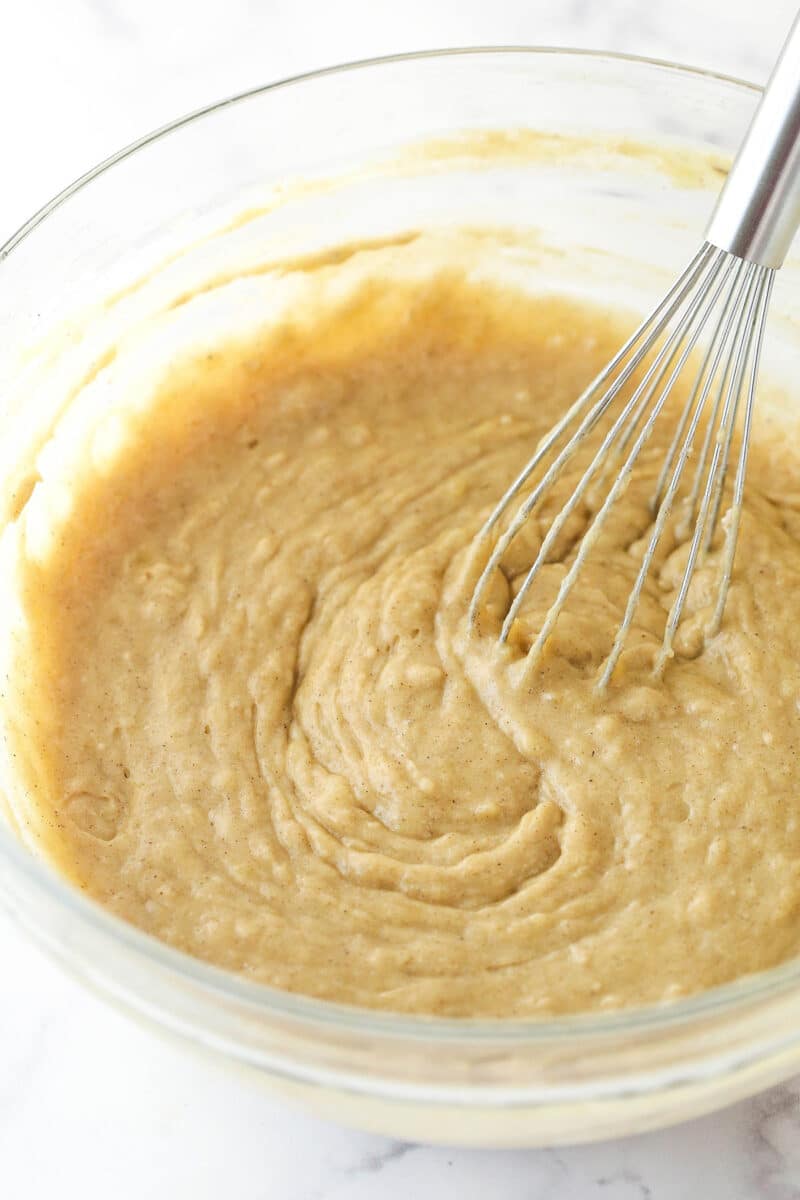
253 721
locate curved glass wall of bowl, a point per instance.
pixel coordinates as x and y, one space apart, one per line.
312 164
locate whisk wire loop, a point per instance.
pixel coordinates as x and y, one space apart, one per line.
732 532
662 502
647 387
647 332
715 284
733 381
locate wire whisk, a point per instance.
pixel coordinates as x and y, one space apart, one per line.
724 294
714 285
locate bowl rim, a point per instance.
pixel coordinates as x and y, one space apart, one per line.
272 1002
357 64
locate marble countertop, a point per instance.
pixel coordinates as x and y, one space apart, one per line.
90 1104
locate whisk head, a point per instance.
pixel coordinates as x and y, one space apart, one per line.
725 296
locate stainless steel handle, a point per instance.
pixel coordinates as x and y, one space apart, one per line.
758 211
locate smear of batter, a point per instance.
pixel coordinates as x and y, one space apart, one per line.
262 732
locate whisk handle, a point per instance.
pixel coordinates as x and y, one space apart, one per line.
758 211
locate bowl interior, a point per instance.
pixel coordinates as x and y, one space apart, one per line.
600 172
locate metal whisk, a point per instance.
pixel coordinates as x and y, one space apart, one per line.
726 290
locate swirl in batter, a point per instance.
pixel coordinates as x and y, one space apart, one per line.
263 734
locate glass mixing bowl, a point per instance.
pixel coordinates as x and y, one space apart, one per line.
614 163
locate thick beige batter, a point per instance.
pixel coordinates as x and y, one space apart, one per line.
262 733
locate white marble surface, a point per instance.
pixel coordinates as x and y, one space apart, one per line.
91 1105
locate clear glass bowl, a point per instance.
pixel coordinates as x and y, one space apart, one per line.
618 182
